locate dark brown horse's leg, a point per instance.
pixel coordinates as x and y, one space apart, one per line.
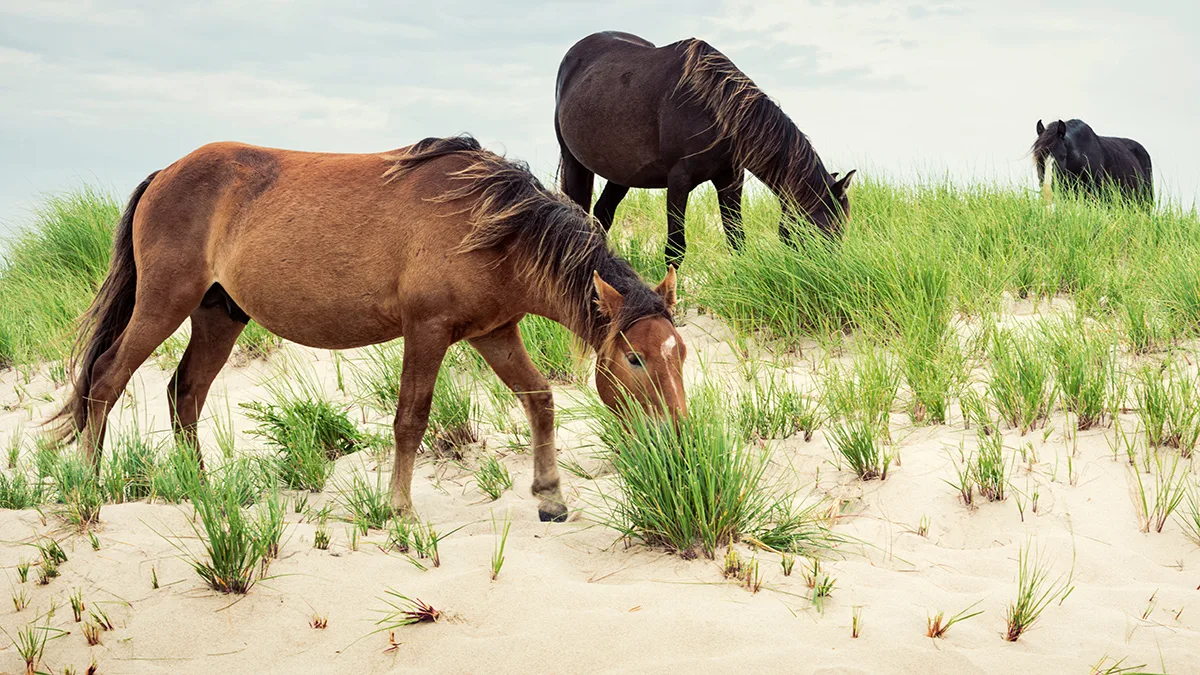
678 187
147 329
213 335
576 180
505 353
606 206
424 350
729 201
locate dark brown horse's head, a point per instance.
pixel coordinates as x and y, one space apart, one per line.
822 201
643 363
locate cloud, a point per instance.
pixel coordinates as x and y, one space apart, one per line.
109 90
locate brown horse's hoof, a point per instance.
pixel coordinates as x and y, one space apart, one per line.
552 513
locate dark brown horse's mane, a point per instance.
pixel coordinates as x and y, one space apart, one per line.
764 138
557 245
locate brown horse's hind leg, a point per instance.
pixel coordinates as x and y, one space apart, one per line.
147 329
505 353
214 334
679 185
423 354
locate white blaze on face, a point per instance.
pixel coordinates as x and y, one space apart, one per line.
668 348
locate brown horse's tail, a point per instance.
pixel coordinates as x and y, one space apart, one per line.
103 321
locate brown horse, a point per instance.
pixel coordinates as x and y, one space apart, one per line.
438 242
675 117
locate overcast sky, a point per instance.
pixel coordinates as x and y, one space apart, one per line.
106 91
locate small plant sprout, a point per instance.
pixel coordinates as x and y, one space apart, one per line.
1035 592
400 535
1156 498
30 643
1110 666
405 611
988 468
752 577
821 591
937 625
501 533
100 618
856 621
732 566
1150 605
352 537
48 571
1188 517
492 477
94 540
77 605
318 622
153 578
91 633
859 444
20 599
23 570
965 477
923 526
369 505
787 561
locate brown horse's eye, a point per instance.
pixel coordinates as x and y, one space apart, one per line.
634 359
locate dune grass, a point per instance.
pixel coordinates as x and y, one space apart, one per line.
695 486
52 269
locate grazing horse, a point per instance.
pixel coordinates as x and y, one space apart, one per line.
1092 164
675 117
437 242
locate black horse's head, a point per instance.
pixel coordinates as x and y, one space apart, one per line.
1072 145
821 199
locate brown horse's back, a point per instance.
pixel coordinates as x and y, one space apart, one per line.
611 92
319 248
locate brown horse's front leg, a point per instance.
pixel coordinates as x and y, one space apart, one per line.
423 354
679 185
505 353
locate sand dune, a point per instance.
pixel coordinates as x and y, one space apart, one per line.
572 598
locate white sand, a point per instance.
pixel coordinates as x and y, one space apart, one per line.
570 598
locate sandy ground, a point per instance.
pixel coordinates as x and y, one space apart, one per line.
571 598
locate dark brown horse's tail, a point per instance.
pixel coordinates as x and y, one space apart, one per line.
103 321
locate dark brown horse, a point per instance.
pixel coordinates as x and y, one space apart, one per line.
675 117
437 242
1094 165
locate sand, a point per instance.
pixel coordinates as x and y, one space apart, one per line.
572 598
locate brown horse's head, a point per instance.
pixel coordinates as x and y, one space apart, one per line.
643 363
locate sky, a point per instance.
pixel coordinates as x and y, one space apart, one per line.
106 91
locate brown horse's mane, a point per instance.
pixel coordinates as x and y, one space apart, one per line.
764 138
555 243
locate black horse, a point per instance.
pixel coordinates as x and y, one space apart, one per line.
675 117
1091 164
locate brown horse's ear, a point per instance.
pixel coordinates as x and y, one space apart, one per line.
1041 128
666 289
608 298
840 187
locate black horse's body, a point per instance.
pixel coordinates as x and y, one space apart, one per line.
1092 164
674 117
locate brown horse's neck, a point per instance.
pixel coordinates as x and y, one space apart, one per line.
571 300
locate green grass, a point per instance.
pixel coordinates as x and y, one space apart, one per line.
864 391
492 477
1035 592
1020 387
307 432
550 346
79 492
1168 405
51 271
1085 368
377 376
696 486
858 443
453 415
367 502
19 491
772 408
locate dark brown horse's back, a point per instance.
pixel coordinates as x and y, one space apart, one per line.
611 92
